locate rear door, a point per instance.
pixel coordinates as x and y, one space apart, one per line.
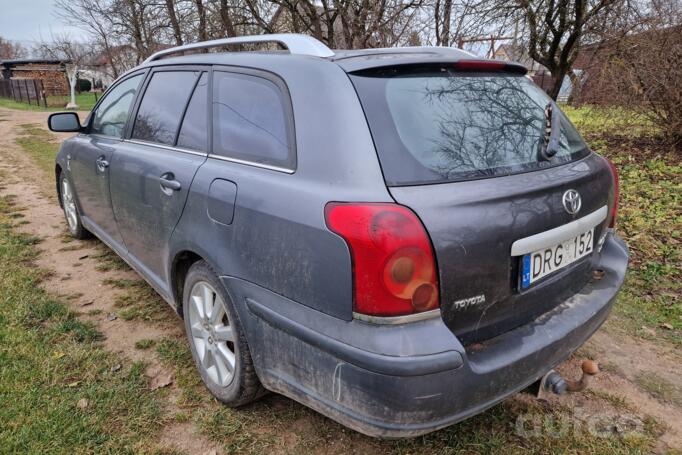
93 152
462 149
152 171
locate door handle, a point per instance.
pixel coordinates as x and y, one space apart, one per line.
102 164
168 182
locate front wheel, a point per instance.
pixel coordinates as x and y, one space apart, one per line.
216 339
73 218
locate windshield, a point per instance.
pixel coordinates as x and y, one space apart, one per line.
436 124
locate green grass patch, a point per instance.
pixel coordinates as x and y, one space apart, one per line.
515 426
649 220
40 145
85 101
145 344
598 120
108 260
51 361
140 301
659 387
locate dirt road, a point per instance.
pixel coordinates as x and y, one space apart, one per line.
76 274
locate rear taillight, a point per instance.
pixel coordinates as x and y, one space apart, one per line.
394 270
616 192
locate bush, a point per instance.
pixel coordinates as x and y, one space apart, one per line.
83 85
641 71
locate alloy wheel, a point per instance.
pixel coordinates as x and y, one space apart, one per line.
69 205
212 334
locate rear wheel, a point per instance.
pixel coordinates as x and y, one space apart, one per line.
216 339
73 218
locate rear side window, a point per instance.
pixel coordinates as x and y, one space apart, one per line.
434 125
112 112
162 106
193 133
250 120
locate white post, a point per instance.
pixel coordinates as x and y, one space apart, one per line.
73 79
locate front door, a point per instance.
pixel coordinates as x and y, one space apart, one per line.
92 154
151 172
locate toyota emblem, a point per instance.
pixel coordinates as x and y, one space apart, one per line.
572 201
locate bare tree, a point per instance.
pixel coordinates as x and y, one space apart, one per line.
554 30
455 20
76 55
10 50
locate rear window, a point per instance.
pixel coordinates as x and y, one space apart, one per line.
434 125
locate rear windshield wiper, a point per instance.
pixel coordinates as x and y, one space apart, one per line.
550 141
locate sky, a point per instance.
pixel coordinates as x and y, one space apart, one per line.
28 21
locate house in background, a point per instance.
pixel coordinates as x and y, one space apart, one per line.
51 72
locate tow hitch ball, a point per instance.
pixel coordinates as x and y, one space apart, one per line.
553 382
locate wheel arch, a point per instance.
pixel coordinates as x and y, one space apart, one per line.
182 261
57 176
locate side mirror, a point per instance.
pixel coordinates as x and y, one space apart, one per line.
64 122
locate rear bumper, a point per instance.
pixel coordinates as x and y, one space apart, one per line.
407 380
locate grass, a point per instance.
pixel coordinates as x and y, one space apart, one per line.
139 302
275 423
39 145
51 361
85 102
659 388
145 344
108 260
649 219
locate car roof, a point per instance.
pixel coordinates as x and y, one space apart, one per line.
301 50
349 60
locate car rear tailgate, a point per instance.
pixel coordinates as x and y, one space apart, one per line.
473 225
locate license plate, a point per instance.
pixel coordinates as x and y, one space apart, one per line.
540 263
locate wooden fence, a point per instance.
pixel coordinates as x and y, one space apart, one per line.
29 91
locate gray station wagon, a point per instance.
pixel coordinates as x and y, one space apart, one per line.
396 238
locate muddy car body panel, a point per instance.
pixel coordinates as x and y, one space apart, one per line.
473 328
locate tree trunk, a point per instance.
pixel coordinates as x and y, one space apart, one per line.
443 19
558 76
73 79
574 96
225 18
170 7
201 11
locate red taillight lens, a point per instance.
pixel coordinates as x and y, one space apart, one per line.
616 192
394 270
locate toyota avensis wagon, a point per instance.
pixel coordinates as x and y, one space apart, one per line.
397 238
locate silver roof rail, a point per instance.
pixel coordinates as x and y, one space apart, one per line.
295 43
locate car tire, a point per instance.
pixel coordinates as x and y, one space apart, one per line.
215 336
73 217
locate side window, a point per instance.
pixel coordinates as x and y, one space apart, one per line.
162 106
249 120
193 132
112 112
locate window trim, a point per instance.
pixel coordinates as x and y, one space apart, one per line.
128 136
119 81
290 124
